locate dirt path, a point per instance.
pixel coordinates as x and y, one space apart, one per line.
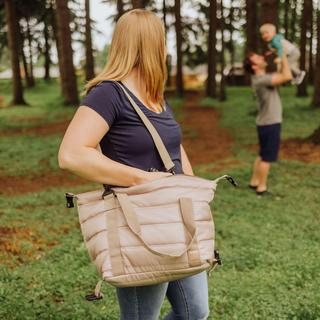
45 129
35 183
300 150
204 140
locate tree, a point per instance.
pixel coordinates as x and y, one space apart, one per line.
29 41
46 49
53 18
269 11
28 18
316 94
222 92
88 44
179 77
292 37
251 26
120 9
68 77
305 27
137 4
168 60
311 62
21 41
231 45
13 42
211 89
286 18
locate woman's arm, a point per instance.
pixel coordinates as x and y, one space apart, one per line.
79 155
186 165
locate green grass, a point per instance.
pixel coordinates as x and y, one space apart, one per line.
45 105
269 247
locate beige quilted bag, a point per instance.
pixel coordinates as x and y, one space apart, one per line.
150 233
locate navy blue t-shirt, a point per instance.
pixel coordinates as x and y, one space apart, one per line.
128 141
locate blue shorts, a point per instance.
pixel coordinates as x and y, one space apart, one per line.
269 141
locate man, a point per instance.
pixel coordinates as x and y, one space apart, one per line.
269 115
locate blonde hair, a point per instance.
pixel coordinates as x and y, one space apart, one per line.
268 27
138 42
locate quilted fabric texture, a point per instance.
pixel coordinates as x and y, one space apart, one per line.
150 233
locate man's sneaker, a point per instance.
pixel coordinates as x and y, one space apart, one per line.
299 78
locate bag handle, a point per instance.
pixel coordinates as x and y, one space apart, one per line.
133 223
163 152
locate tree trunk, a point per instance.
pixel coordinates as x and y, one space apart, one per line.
88 44
13 43
311 62
53 16
23 57
47 60
251 26
231 43
211 89
179 77
68 77
315 137
137 4
316 94
164 13
120 9
302 88
293 21
286 18
25 67
222 93
32 83
269 11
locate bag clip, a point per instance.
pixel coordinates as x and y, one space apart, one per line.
232 181
93 297
217 257
97 294
69 198
228 178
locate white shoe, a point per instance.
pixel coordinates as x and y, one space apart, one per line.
299 78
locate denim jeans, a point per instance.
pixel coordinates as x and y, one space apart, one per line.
188 298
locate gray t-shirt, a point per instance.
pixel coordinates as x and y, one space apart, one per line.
269 103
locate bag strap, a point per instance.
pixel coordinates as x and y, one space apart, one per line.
163 152
133 223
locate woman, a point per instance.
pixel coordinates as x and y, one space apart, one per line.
136 59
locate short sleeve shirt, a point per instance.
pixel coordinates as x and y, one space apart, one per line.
268 100
128 141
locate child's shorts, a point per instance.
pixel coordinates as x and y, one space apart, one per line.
269 141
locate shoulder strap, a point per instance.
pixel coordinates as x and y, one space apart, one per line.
164 154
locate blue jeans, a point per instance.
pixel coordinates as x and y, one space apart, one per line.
188 298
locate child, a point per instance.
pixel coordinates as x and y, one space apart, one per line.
279 44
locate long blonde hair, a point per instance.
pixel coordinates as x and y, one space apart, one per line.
138 42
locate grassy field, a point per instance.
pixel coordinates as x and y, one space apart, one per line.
269 247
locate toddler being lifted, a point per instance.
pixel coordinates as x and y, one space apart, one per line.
278 44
